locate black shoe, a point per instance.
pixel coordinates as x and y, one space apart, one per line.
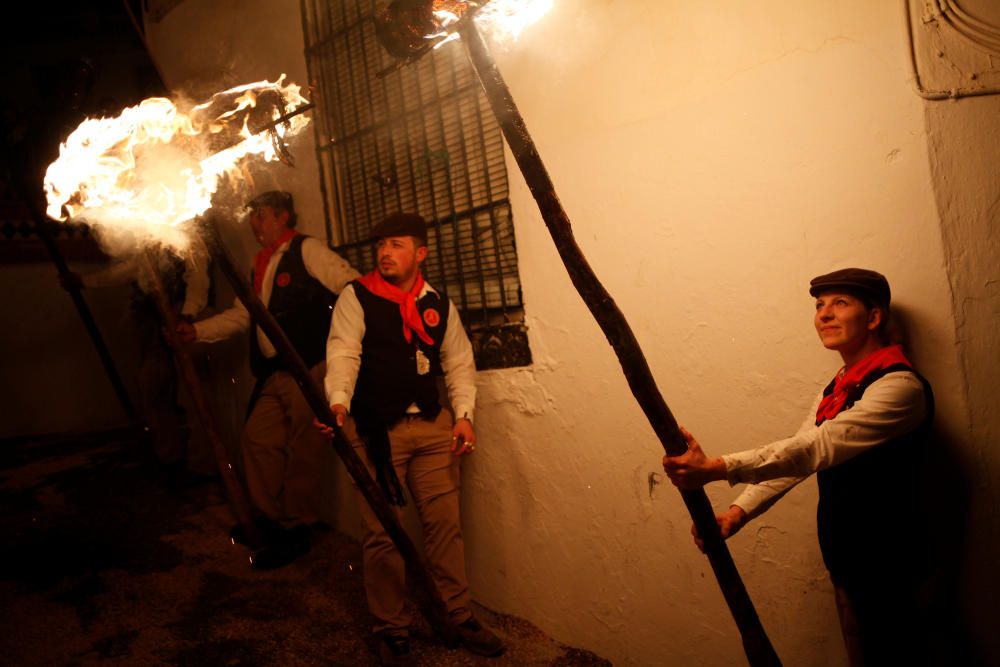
173 475
319 527
193 479
479 640
279 554
269 531
394 651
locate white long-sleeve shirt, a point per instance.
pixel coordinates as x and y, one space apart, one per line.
892 406
343 355
196 279
323 264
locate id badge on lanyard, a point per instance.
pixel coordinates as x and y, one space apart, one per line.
423 363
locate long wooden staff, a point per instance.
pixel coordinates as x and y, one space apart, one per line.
434 606
616 328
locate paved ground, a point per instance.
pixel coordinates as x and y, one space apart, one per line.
104 564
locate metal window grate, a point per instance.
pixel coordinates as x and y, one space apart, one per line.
422 140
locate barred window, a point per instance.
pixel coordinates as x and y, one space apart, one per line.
421 139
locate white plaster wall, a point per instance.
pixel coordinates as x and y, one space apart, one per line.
713 157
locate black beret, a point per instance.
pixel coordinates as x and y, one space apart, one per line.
276 199
870 283
400 224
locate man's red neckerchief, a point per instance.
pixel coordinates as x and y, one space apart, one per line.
264 255
407 301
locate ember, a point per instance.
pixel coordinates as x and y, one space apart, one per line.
408 28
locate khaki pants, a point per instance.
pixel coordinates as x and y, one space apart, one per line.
283 453
422 457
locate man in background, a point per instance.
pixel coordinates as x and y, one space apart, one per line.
298 278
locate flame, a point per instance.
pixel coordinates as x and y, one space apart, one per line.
155 166
509 18
505 19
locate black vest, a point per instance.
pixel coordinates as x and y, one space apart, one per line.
302 306
388 380
867 528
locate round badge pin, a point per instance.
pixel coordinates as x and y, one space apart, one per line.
431 317
283 279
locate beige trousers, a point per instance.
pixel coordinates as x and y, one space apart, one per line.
422 457
283 453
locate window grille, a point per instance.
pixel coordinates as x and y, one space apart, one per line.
421 139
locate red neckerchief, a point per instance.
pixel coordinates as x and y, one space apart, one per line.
407 301
833 403
264 256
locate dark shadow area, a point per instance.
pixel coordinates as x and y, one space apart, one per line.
109 563
943 502
947 512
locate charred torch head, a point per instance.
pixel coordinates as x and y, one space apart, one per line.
402 25
406 28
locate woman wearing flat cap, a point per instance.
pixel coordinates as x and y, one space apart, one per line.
863 439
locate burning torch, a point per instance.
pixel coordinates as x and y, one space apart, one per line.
408 29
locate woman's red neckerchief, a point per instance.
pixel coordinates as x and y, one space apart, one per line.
833 403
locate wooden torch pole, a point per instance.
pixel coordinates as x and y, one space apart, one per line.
618 332
42 221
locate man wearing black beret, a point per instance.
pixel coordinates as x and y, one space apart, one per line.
391 336
863 437
298 278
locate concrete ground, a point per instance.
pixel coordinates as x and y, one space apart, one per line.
105 564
